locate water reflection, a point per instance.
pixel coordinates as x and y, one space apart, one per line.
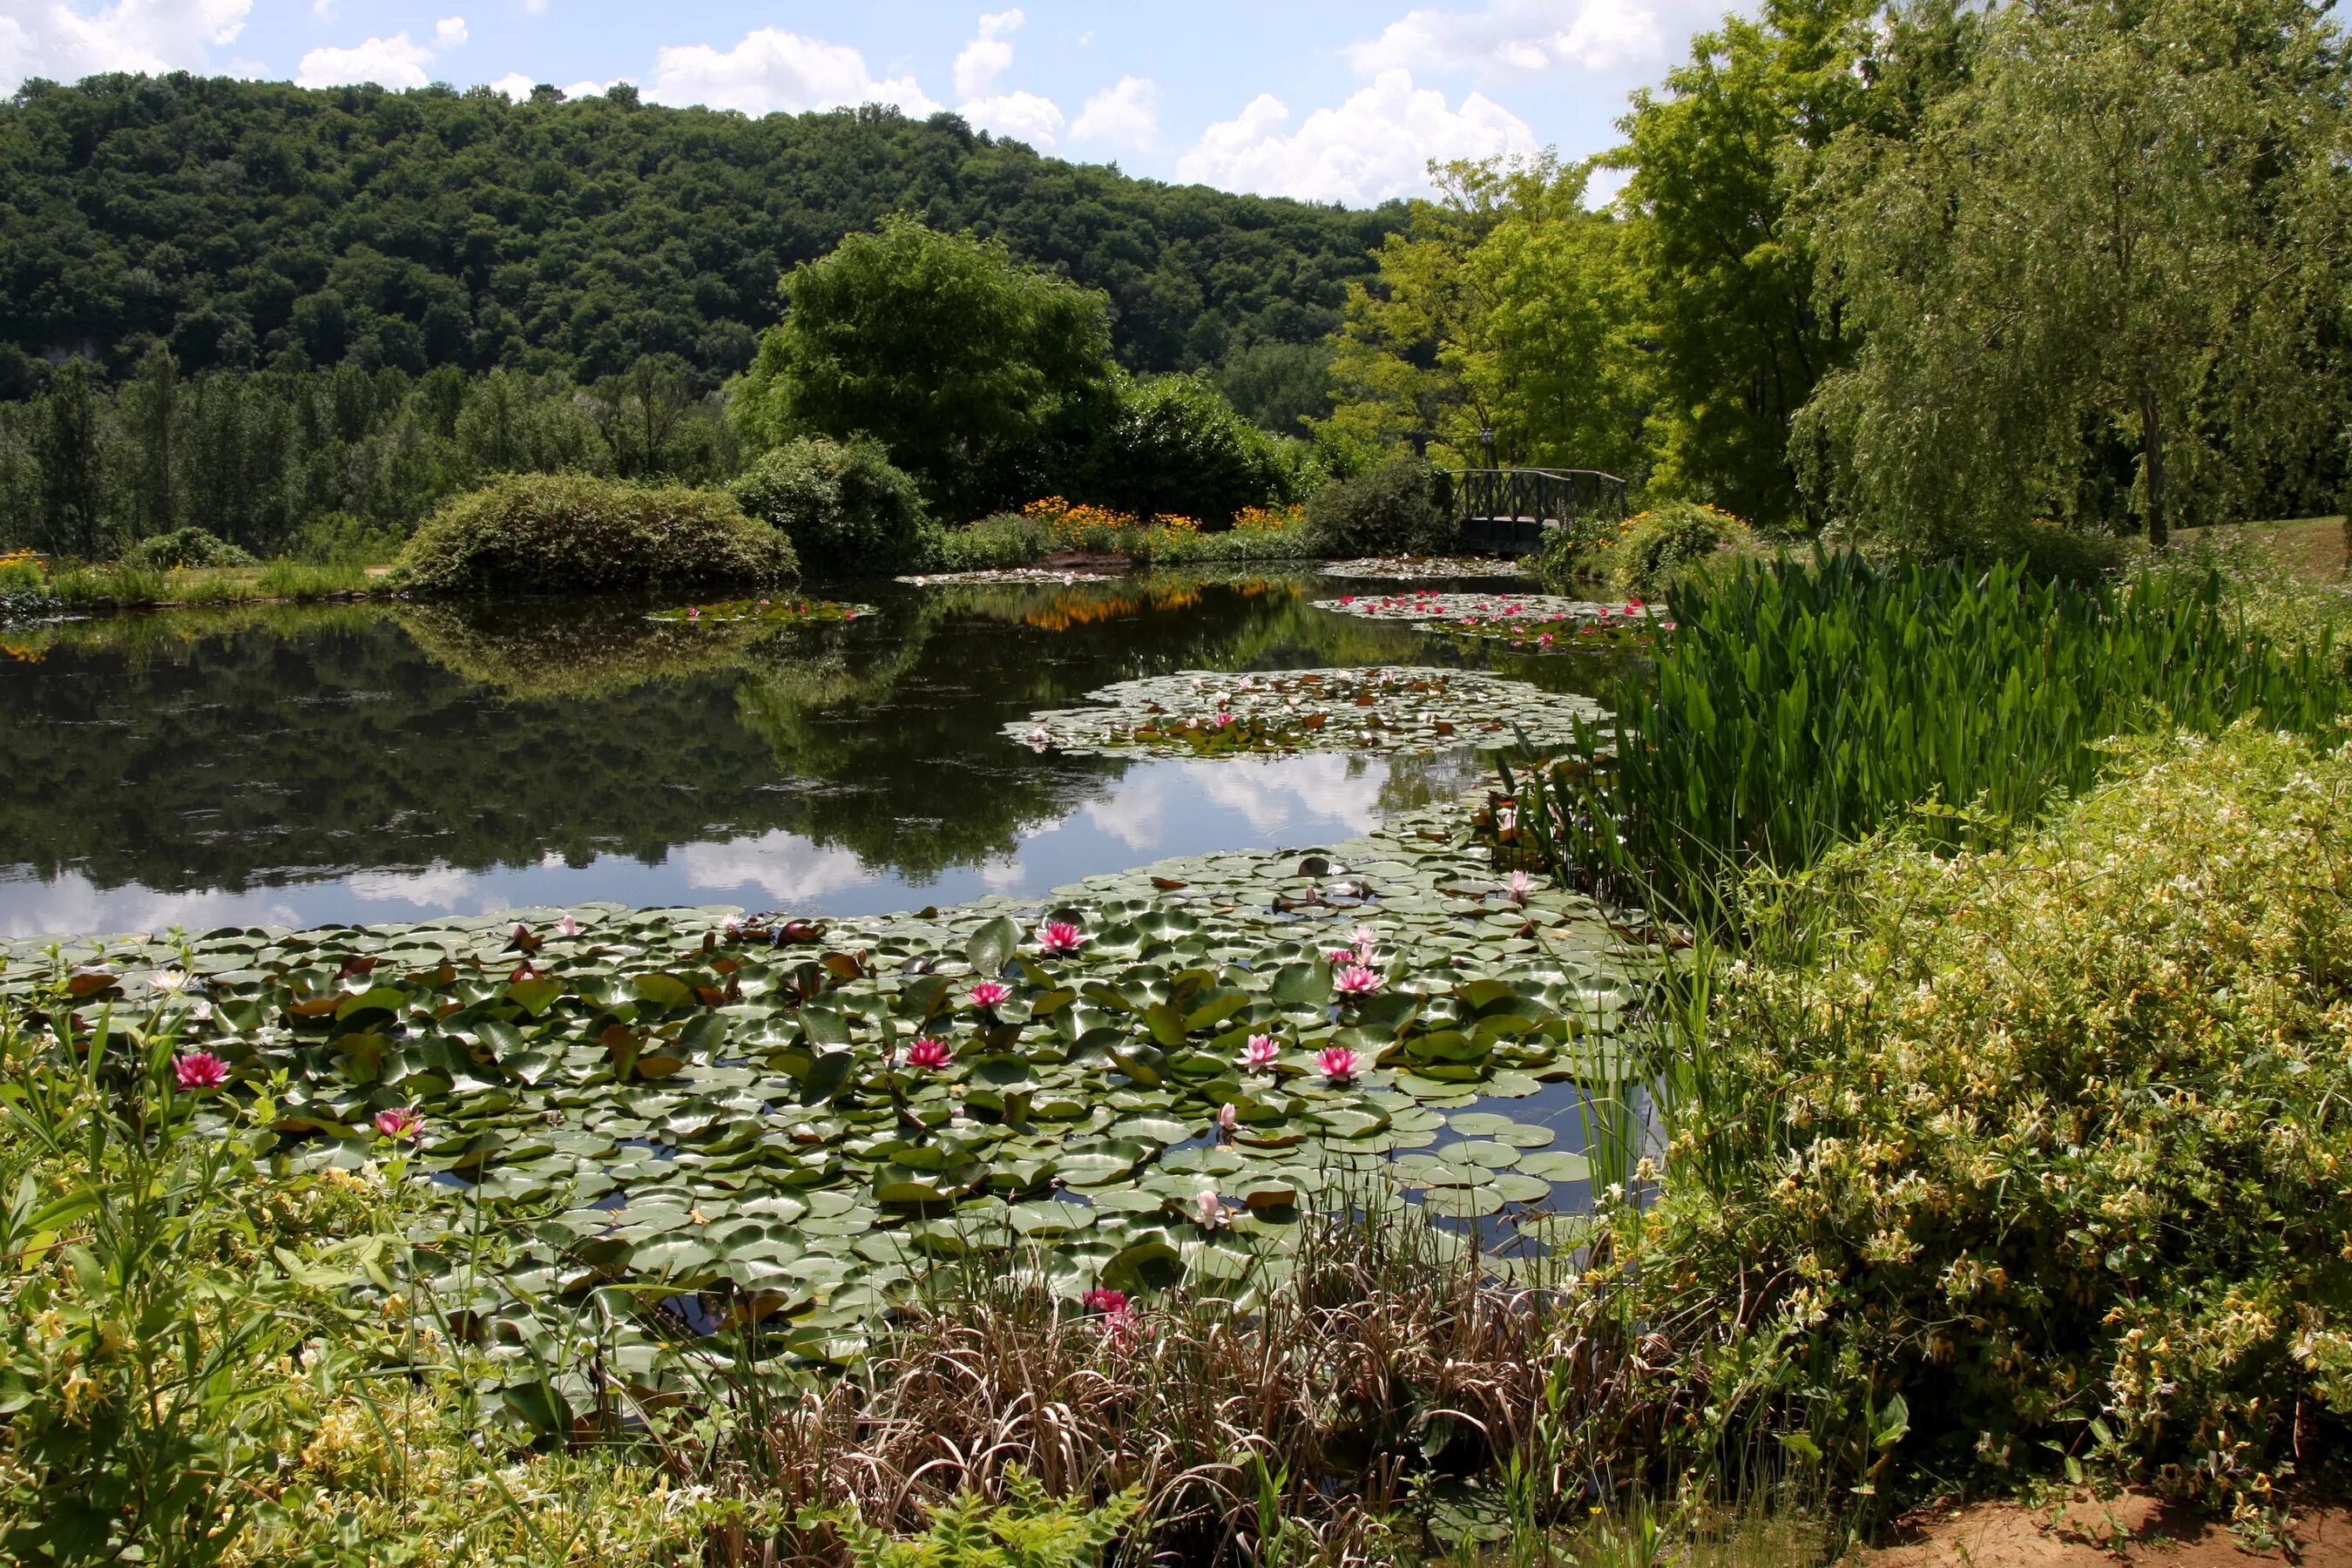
387 762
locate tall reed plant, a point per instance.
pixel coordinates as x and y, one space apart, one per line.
1804 704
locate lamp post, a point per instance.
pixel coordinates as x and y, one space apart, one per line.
1486 439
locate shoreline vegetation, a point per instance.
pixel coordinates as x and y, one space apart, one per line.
2090 1244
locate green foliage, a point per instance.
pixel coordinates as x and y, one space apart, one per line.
569 531
250 224
143 1313
971 370
188 547
1029 1530
2034 1150
1390 508
846 510
1282 387
1504 308
1645 555
1724 274
1007 539
2104 277
266 460
1799 705
1175 446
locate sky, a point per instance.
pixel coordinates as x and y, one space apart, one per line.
1297 98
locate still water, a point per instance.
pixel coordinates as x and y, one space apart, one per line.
294 766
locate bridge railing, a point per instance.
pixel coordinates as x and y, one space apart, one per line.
1506 510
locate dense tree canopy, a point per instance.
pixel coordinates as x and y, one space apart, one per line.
249 223
974 371
2107 275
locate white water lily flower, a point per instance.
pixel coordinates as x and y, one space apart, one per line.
172 980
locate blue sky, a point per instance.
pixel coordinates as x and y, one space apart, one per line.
1322 101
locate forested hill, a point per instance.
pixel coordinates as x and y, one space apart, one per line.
251 224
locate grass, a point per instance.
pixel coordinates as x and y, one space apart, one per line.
133 587
1013 539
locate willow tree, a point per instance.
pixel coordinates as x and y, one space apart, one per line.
2104 275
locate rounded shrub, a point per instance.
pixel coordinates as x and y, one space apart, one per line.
187 547
1658 545
2052 553
1391 506
555 531
1177 447
846 510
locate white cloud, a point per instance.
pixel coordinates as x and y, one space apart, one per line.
1517 37
770 70
1034 120
987 57
392 63
1376 145
66 41
788 868
448 33
1126 115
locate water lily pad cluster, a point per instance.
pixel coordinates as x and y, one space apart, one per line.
1384 709
1035 576
1540 623
787 1121
1422 568
777 612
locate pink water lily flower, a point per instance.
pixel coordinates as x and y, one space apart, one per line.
1357 981
988 993
929 1053
398 1125
568 926
1060 938
1227 1118
198 1069
1209 1212
1518 887
1224 718
1339 1063
693 611
1261 1053
1101 1301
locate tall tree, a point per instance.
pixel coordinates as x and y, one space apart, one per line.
1500 313
148 418
73 477
2120 246
970 369
1730 310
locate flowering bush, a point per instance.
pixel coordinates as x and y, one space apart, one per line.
2043 1142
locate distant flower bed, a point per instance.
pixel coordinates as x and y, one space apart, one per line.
1421 568
777 612
1388 708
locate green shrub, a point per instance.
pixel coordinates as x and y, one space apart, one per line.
188 547
2045 1143
1390 508
1643 555
1008 538
2052 553
1176 447
1655 547
557 532
849 512
1031 1531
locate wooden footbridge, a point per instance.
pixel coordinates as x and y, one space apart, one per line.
1505 511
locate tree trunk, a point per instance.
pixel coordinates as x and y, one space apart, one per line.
2151 436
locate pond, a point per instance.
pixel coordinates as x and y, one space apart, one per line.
294 767
1104 929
